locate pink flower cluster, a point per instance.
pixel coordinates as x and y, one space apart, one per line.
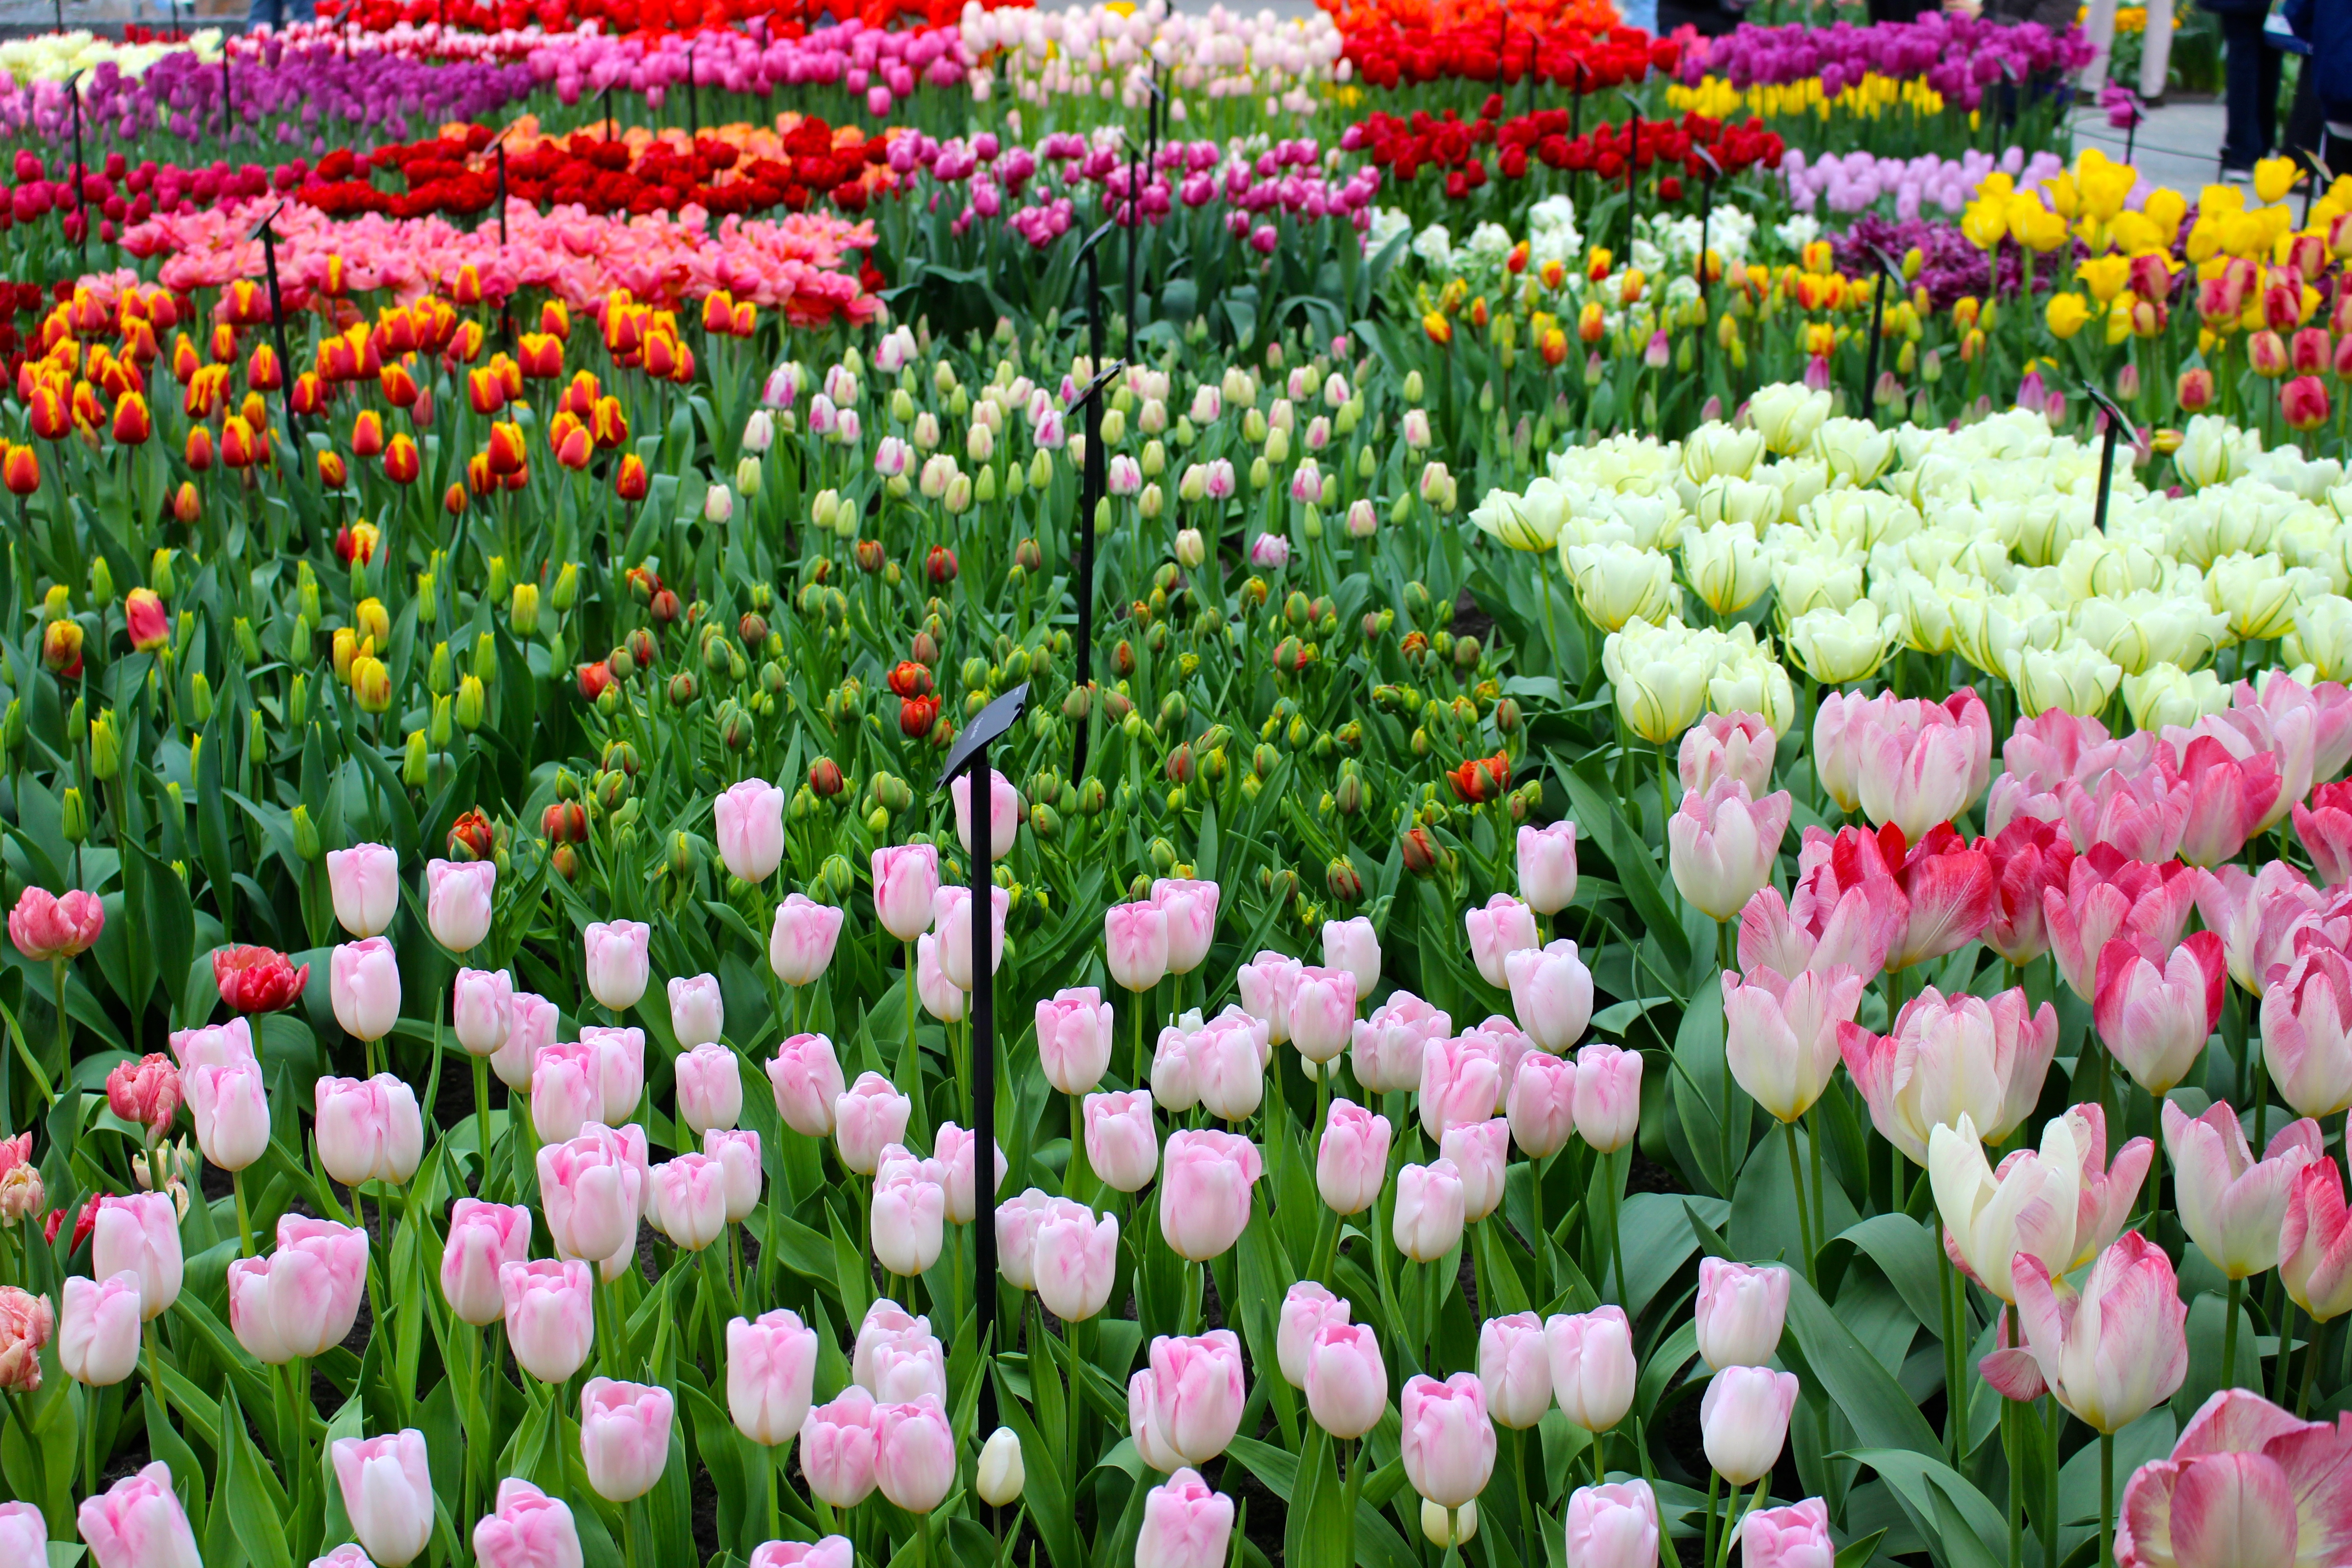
885 66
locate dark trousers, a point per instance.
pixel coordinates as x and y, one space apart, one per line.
2251 69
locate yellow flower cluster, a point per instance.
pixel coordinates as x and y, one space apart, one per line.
1873 97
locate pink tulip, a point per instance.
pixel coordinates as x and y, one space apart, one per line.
747 820
1825 926
832 1551
686 1199
481 1010
1739 746
1504 927
1591 1366
698 1014
2226 797
905 878
2258 917
909 1212
1305 1308
620 1058
1916 764
1740 1311
897 1357
1353 945
535 1024
954 1151
1447 1442
1608 1096
1003 813
1122 1141
870 1115
2315 1243
1552 993
1187 1404
1206 1178
567 1092
2231 1204
2325 829
1387 1047
365 882
770 1370
592 1193
230 1108
738 1153
1514 1370
807 1076
1950 1056
483 1240
952 917
23 1534
1479 1150
1614 1526
1744 1421
2157 1019
2028 857
387 1493
801 944
550 1315
1346 1381
2246 1483
914 1453
2107 896
1462 1081
45 927
1429 1210
140 1234
1075 1035
138 1522
2118 1350
1135 945
97 1329
458 899
2307 1031
1352 1162
216 1045
1190 907
1322 1013
1541 1104
616 961
837 1449
941 997
1722 845
1797 1536
368 1131
1185 1525
528 1529
1546 867
1267 984
363 985
710 1087
1227 1058
624 1437
1075 1255
1782 1035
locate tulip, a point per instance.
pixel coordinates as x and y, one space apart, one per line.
1504 927
213 1046
1541 1104
1074 1039
1551 993
1186 1406
1546 867
1353 945
709 1086
1782 1035
770 1370
1740 1311
535 1021
527 1528
2157 1019
909 1211
2257 916
837 1449
45 929
481 1010
27 1324
1739 746
616 961
1479 1150
2307 1031
365 882
749 824
1462 1081
98 1330
2145 903
941 997
483 1240
1190 907
998 1477
1429 1210
1722 845
624 1437
1608 1096
1448 1442
363 984
954 1153
145 1092
800 943
2118 1349
1347 1383
551 1316
1185 1525
737 1154
567 1092
687 1198
1305 1309
1514 1370
2230 1491
1076 1255
806 1077
1950 1056
1352 1160
230 1108
1322 1013
138 1522
1268 983
952 916
1387 1047
1003 813
1135 943
2232 1205
139 1235
895 1357
458 901
23 1534
1123 1141
1613 1526
592 1192
1744 1420
868 1118
1797 1536
387 1494
832 1551
2315 1243
368 1131
698 1014
906 876
1206 1178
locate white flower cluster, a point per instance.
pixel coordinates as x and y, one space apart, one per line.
1285 68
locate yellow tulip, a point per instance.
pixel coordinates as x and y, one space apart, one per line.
2120 320
2062 195
2104 184
2274 178
2104 276
2204 238
2134 234
2067 314
2165 209
1985 222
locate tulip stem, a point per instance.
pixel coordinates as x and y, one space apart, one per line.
1953 1399
1074 1175
244 1218
482 1118
2310 1369
1804 1226
1667 801
2107 1495
1730 1525
155 1370
2236 1299
1714 1486
88 1440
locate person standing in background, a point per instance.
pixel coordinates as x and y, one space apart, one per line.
2327 74
2155 48
2250 70
276 14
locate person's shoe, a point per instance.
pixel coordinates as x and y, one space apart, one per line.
2237 176
2150 105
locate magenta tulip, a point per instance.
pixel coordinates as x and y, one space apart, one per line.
2114 1352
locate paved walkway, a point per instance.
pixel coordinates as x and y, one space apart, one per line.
2179 145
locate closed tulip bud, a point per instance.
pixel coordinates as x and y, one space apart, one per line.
387 1494
1447 1442
97 1331
624 1437
1739 1312
770 1371
1744 1421
1429 1210
550 1315
1000 1475
1613 1526
1123 1141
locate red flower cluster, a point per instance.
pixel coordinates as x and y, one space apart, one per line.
1404 146
1563 56
448 174
783 18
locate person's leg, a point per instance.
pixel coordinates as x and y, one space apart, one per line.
2242 51
2099 28
2156 49
2269 66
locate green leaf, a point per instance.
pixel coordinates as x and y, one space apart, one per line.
1838 1364
1959 1524
256 1506
1858 1553
1314 1531
1045 1493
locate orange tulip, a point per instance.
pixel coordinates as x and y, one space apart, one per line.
132 423
22 471
453 500
485 391
241 446
629 481
367 434
399 385
262 371
539 356
187 505
401 462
